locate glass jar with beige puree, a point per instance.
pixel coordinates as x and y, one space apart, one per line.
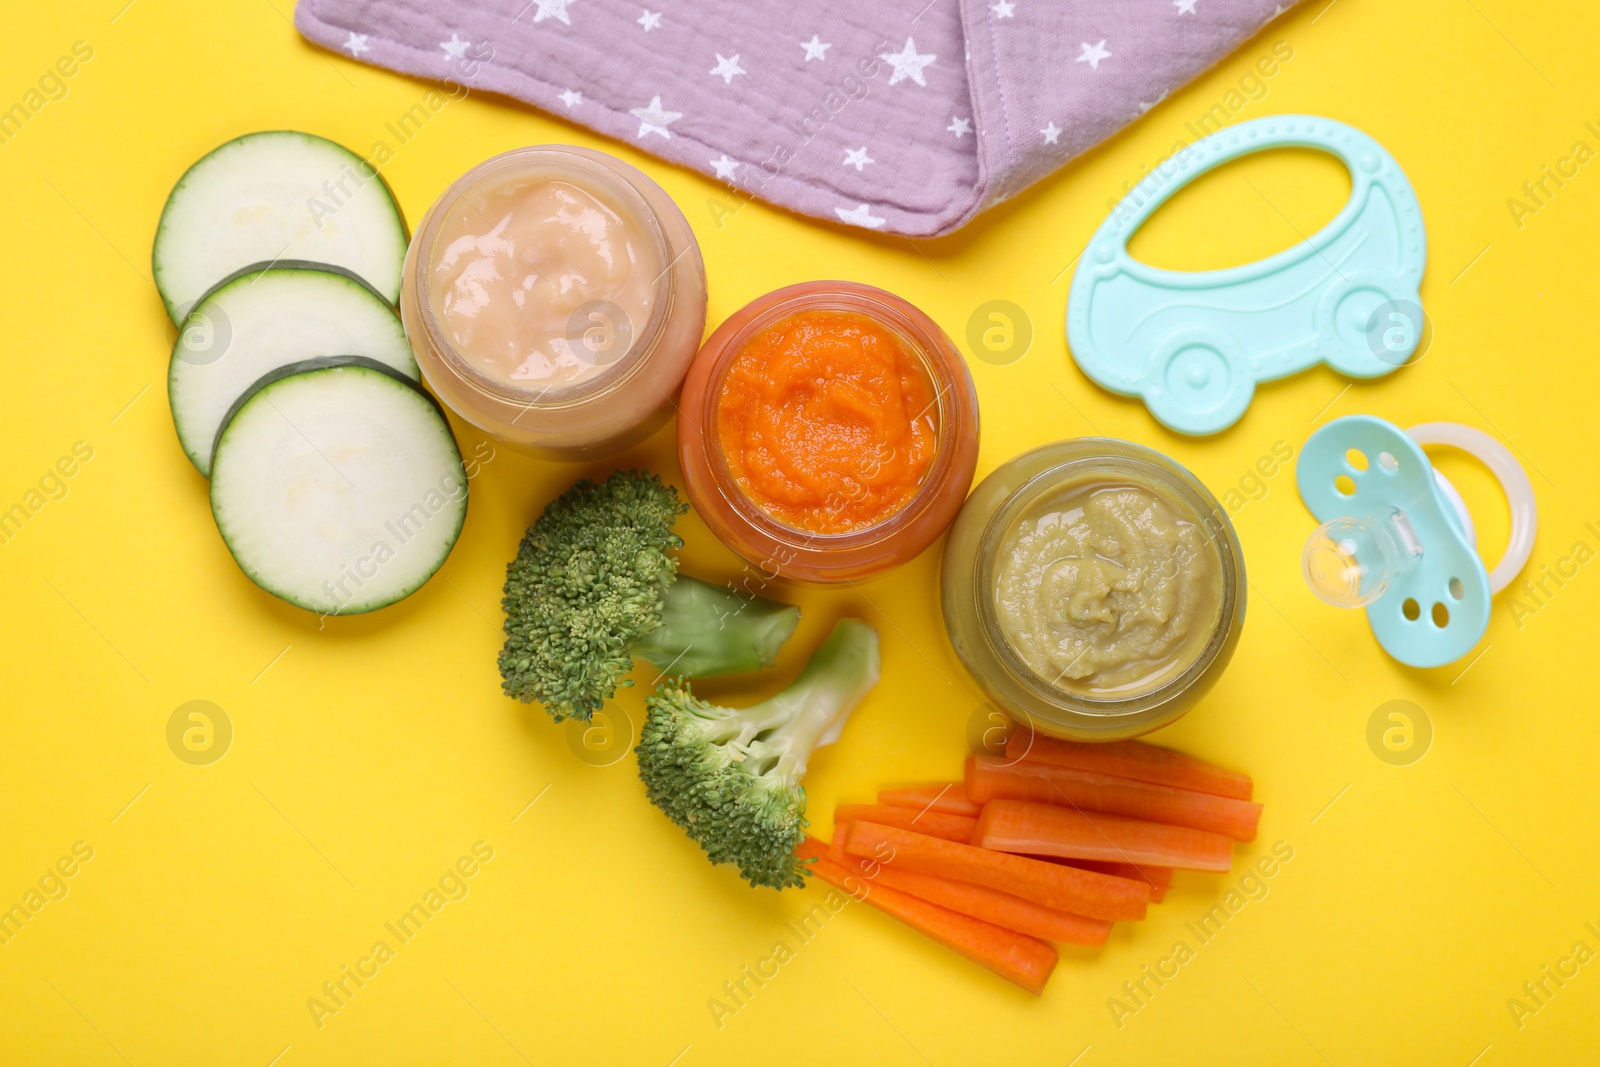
1094 588
554 297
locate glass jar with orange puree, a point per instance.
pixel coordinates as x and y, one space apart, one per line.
554 297
828 431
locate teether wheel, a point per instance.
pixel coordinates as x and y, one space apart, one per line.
1367 325
1197 381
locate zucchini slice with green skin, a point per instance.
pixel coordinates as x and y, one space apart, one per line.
337 485
261 321
268 197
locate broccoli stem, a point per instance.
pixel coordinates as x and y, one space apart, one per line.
812 709
707 630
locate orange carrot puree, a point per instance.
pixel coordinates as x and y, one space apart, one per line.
827 420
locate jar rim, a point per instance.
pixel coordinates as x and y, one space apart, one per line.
1168 477
887 310
791 552
619 192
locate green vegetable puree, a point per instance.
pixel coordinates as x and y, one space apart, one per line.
1107 588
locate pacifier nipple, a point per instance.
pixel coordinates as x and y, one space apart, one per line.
1350 562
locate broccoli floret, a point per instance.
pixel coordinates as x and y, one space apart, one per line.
731 777
595 583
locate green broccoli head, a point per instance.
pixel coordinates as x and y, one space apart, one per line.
595 583
731 777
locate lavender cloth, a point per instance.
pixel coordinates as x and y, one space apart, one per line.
904 116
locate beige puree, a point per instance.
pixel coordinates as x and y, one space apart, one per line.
1107 589
516 262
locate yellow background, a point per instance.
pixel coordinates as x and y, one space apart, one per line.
368 756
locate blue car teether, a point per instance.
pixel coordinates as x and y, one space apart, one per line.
1396 537
1193 345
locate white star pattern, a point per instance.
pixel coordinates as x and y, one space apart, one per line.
571 97
959 126
357 44
455 47
553 9
655 119
1185 7
726 68
860 215
857 158
907 63
1052 133
1145 107
1092 54
650 20
815 48
725 167
1004 9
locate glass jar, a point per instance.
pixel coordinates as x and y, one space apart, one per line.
971 597
629 389
776 546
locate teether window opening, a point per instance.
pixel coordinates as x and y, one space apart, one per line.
1244 211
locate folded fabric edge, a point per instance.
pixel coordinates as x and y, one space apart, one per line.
992 117
780 190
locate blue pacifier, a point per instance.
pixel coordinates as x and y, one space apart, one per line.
1396 537
1193 345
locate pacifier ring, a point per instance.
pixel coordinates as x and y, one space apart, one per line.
1514 484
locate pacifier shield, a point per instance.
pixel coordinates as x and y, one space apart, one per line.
1361 466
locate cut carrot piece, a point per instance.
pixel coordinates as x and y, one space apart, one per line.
933 823
996 779
1049 830
936 796
1018 958
1130 759
1089 893
836 851
1159 879
990 905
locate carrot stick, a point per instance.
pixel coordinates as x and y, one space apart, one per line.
990 779
1130 759
836 851
1159 879
1018 958
938 796
1089 893
1048 830
990 905
933 823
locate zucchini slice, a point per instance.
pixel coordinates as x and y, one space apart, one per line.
262 321
337 486
271 197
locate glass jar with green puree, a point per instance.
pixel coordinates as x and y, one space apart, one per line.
1094 588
